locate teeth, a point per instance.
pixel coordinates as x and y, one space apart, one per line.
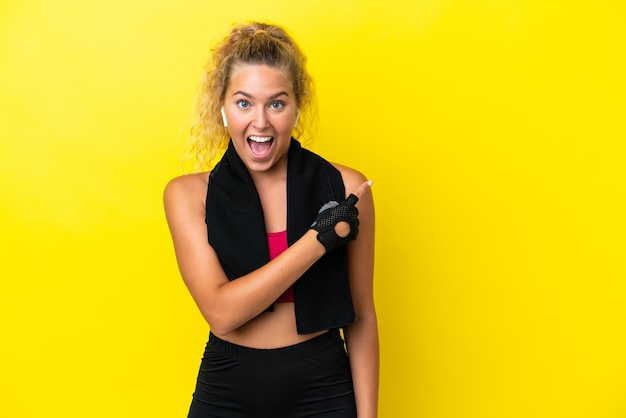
260 138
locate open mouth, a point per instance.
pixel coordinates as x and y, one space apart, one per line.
260 145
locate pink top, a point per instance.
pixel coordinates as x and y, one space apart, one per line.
277 242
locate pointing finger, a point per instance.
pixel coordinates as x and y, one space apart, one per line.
364 186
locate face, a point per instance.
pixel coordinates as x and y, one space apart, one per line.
260 108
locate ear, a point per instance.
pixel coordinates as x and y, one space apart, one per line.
226 122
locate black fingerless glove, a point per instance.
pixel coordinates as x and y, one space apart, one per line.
330 215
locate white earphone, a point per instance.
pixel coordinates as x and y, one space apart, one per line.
224 117
297 117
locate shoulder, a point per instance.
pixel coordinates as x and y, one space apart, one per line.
353 181
187 182
351 178
187 190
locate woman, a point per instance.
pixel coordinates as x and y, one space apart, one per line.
274 270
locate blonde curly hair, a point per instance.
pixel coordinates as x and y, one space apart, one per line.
249 43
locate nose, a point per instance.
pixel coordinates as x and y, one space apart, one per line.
260 118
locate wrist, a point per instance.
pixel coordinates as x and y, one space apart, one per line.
319 249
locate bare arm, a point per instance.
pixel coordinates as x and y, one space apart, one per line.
362 335
226 305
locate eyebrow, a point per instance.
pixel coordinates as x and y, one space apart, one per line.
272 97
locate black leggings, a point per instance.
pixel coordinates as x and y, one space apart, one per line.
310 379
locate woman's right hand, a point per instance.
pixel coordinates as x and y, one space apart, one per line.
338 223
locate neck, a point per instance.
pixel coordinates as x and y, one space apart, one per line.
276 174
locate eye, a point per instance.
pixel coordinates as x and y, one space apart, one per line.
243 104
276 105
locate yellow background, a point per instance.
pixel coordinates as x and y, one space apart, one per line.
495 134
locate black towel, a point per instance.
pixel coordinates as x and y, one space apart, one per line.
236 230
